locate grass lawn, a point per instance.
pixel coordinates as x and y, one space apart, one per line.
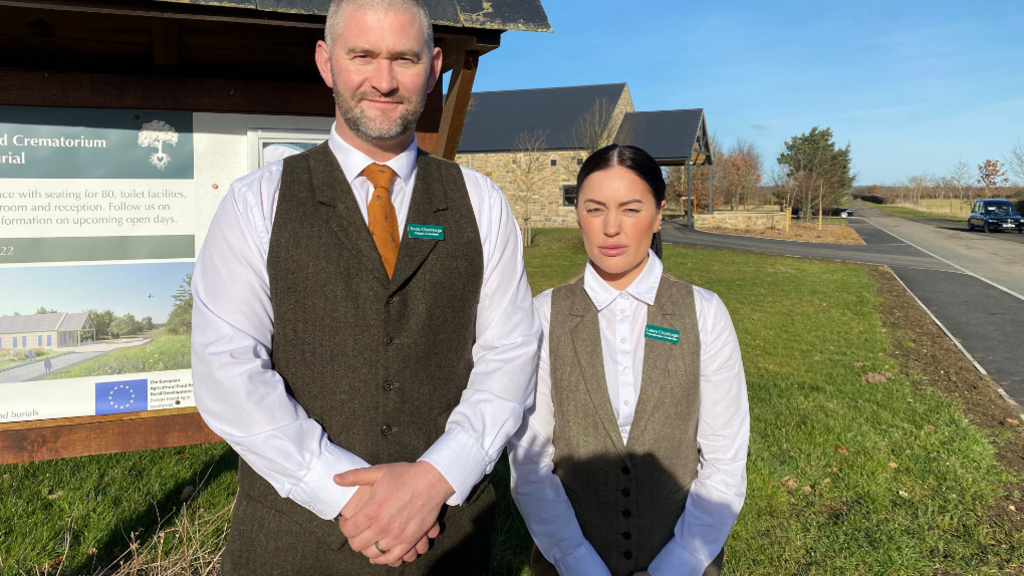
844 477
912 213
11 357
166 352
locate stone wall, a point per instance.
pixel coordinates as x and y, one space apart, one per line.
547 210
741 220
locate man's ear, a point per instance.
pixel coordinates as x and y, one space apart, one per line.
436 59
323 63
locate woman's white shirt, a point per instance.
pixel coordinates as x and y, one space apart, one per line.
717 494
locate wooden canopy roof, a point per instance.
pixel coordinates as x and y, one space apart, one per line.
673 137
526 15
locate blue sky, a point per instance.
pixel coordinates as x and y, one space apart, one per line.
119 287
912 86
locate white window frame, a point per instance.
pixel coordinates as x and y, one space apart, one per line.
258 137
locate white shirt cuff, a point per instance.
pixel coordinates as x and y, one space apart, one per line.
674 560
584 561
460 460
318 492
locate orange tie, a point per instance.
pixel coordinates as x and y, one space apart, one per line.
381 215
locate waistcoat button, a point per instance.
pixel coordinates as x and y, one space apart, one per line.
626 535
386 430
626 492
391 299
388 340
626 513
625 470
389 385
627 555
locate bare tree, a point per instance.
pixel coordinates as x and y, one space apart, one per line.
916 187
960 179
1015 161
594 130
529 159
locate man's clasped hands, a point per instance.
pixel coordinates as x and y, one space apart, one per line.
395 509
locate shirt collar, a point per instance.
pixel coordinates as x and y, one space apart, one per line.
644 287
353 162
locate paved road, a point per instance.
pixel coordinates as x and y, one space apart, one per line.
998 257
987 319
35 370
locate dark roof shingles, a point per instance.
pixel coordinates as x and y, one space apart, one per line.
496 119
665 134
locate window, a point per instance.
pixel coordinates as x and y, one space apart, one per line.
40 344
49 340
554 162
579 161
24 341
15 341
267 145
569 195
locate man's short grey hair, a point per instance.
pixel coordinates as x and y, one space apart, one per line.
338 7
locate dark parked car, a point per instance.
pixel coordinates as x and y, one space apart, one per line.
798 212
993 215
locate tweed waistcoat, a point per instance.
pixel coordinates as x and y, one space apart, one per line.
627 498
380 363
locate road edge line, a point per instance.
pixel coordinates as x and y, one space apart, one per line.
999 389
965 271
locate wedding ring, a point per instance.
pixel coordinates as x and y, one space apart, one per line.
379 549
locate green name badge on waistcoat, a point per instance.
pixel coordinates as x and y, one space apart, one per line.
664 334
426 231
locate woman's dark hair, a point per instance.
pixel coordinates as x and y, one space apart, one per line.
641 163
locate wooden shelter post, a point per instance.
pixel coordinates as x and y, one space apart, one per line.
460 91
711 182
689 198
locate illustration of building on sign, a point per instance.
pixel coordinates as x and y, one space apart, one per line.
154 135
57 330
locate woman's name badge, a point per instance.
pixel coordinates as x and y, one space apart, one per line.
664 334
426 231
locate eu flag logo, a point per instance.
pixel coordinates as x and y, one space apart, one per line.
123 396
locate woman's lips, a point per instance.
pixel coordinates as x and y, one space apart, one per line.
612 250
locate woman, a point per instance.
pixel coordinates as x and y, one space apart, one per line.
633 457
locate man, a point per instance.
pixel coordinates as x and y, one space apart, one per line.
364 303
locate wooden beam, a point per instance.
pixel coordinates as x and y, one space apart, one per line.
85 436
429 123
460 90
182 10
79 90
166 42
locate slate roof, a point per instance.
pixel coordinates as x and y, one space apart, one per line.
525 15
74 322
668 135
43 322
496 119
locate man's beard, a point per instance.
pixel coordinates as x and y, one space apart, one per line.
378 130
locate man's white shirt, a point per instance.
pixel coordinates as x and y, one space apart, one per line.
243 399
717 494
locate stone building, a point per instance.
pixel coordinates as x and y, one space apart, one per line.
531 143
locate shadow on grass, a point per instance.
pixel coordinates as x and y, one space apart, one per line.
163 512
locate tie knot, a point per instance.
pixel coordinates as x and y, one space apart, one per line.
379 175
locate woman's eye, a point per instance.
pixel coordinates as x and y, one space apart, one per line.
593 210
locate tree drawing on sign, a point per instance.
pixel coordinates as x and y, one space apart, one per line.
154 135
